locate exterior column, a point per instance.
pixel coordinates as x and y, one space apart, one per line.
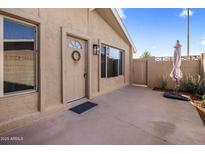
203 68
89 56
42 75
89 70
1 57
131 65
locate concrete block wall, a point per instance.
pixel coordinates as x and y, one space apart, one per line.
157 68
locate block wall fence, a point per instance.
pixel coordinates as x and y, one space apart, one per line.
151 71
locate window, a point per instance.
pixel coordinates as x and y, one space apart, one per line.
19 56
111 61
74 44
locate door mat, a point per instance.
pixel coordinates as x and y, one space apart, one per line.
83 107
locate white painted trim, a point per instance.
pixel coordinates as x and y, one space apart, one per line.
1 57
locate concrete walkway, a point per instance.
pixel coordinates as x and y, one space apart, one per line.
131 115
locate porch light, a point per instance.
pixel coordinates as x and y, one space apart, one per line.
96 49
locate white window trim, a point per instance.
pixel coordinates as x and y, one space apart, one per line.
2 95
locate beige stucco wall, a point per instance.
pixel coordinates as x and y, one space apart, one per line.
81 22
15 106
100 30
75 20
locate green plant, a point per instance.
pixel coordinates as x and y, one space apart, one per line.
164 81
203 101
145 54
192 84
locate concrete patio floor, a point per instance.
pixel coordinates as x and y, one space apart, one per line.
131 115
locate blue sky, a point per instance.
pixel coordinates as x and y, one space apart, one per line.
14 30
157 30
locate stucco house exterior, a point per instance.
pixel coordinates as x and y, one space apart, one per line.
51 57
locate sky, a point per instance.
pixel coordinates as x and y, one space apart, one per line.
157 29
14 30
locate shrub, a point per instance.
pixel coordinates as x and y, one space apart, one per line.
145 54
164 81
203 101
192 84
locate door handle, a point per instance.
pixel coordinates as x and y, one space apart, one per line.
85 75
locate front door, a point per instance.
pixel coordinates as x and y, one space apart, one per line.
74 83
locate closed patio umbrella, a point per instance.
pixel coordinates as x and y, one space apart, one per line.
176 73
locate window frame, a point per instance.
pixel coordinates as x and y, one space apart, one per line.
35 54
106 54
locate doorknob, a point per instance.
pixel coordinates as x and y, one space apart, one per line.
85 75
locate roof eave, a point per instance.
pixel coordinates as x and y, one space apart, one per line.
119 20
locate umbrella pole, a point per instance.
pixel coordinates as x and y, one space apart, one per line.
176 86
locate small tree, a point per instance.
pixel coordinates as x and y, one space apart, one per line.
145 54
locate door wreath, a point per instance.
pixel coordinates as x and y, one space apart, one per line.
76 55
